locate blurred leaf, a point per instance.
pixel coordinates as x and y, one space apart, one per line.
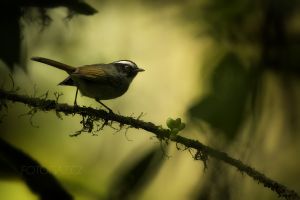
6 171
11 12
37 177
224 107
76 6
10 35
292 57
132 180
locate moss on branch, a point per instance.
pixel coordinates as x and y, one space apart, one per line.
160 133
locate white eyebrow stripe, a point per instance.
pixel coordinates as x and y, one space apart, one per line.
126 62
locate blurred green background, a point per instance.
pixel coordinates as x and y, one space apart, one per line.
231 71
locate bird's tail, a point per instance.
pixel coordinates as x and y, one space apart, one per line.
69 69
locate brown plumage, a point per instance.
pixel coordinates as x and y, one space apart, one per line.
98 81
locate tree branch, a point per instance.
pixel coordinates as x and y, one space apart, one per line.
203 151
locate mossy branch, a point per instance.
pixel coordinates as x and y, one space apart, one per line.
203 151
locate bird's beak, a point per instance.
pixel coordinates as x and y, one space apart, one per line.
139 70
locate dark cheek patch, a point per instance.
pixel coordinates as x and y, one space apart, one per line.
131 73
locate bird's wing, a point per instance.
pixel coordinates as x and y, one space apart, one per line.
97 74
90 72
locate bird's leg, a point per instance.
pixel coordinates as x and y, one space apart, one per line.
110 110
75 101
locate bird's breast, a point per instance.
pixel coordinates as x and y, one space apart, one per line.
101 91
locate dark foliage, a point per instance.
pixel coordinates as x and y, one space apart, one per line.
37 177
11 30
131 181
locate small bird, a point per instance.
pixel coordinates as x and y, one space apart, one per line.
98 81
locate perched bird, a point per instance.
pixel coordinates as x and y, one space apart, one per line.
98 81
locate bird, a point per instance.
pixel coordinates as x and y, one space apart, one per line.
97 81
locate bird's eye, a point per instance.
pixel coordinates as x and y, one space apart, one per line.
127 68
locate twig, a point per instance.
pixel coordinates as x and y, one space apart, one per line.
160 133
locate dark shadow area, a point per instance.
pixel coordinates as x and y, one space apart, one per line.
39 180
11 29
